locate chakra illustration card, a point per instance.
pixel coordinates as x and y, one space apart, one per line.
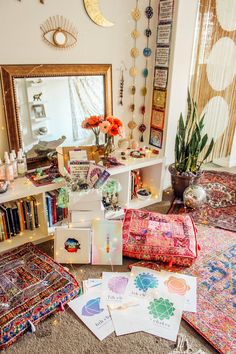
88 308
181 285
142 283
107 242
113 287
162 315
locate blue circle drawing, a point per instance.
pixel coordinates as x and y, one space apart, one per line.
145 281
92 307
147 52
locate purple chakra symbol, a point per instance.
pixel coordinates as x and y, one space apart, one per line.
92 307
118 284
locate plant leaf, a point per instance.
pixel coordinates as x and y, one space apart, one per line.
209 150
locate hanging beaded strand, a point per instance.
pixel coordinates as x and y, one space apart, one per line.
136 15
121 87
146 52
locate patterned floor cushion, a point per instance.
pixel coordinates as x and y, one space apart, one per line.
32 286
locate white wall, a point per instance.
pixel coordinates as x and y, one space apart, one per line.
21 43
181 57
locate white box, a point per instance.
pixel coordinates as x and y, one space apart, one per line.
85 218
86 200
72 245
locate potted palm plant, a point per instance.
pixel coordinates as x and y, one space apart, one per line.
190 149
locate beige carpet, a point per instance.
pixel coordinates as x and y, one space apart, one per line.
64 333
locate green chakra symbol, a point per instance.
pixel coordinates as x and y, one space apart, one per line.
161 308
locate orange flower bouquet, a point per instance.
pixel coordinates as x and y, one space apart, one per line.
93 123
111 126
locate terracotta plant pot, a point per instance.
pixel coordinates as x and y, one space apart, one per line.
180 182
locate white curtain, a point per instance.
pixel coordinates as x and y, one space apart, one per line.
86 98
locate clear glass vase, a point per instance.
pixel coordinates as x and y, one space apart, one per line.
109 146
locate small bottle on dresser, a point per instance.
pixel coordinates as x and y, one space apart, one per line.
14 164
20 164
9 169
23 156
2 171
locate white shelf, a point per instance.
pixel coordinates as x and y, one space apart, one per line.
133 163
136 203
23 187
36 236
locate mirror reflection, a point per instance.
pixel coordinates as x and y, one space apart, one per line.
51 109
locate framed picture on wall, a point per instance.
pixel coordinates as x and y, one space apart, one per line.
162 56
156 137
158 118
164 34
159 98
39 111
166 10
160 78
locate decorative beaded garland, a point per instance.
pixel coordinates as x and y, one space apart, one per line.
147 53
134 52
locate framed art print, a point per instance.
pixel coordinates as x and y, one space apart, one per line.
160 78
156 137
107 242
72 245
159 98
158 118
39 111
166 10
164 34
162 56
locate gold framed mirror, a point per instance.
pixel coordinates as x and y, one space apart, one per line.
35 115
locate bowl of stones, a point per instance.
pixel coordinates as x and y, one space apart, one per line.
143 194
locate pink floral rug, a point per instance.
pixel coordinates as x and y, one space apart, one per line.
220 207
215 270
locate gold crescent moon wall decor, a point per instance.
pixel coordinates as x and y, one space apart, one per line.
94 12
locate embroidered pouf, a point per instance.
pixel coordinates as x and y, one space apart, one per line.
32 286
153 236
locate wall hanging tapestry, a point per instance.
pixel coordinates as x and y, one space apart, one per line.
213 80
164 29
32 286
215 270
220 207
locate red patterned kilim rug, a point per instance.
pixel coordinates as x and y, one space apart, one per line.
216 271
220 207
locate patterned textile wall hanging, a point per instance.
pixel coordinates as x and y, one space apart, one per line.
213 83
164 29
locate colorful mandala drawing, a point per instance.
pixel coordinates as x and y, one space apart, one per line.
92 307
161 308
145 281
177 285
72 245
118 284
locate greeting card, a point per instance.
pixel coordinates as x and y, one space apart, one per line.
107 242
143 283
88 308
91 284
113 287
162 315
127 318
181 285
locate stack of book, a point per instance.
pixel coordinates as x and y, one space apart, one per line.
54 213
17 216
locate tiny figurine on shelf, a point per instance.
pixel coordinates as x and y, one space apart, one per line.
137 154
123 144
143 194
155 151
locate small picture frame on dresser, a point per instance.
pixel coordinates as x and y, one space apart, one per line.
39 111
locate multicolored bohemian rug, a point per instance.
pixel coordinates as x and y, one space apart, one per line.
32 286
215 269
220 207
